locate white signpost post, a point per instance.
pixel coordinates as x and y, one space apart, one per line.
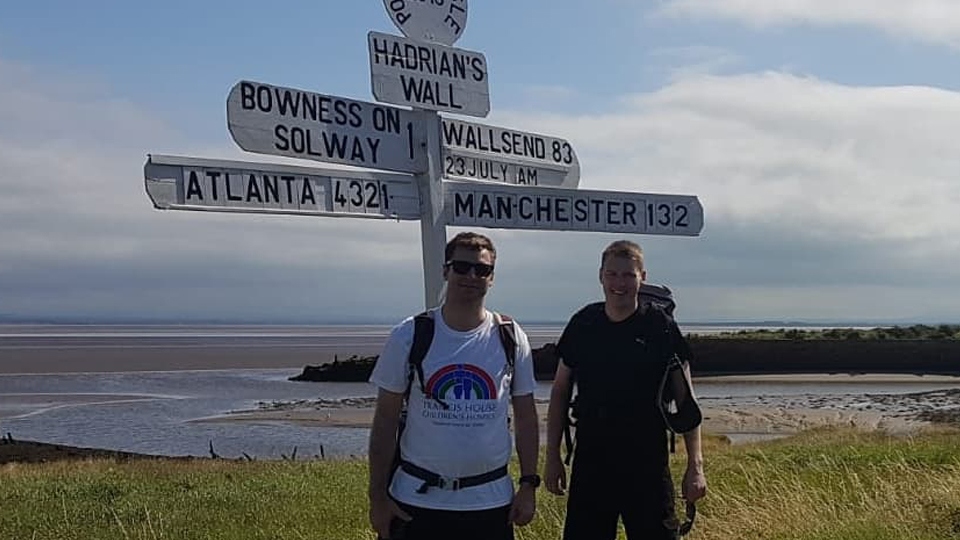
480 152
497 177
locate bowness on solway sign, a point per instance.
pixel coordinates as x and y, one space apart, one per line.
481 152
186 183
524 207
281 121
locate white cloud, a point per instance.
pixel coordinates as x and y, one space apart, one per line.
820 199
932 21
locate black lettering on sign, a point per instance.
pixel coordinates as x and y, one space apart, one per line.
562 152
288 181
414 58
560 210
491 140
504 207
528 176
228 180
682 216
629 213
399 7
253 189
307 193
364 150
214 176
305 105
613 213
425 92
486 207
387 120
544 210
597 208
271 187
463 204
580 210
524 210
193 187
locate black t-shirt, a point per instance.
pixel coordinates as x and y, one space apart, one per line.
618 367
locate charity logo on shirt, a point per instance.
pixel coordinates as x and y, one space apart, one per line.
470 393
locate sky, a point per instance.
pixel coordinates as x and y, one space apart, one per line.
819 137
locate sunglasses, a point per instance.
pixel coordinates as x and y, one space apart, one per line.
463 268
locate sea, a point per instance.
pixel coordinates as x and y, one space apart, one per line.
176 412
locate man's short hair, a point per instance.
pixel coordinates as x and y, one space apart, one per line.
472 241
625 249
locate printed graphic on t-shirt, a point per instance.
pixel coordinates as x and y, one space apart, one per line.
469 392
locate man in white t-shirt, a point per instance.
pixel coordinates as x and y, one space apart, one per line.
457 426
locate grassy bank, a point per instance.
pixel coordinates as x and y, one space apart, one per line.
914 332
831 484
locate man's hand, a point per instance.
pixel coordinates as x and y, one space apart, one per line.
554 474
524 505
694 483
382 512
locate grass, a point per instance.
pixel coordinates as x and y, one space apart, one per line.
894 333
823 484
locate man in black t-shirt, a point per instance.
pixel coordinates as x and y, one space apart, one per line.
617 351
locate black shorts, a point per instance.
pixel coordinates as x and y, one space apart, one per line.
429 524
603 491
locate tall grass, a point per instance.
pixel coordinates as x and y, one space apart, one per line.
824 484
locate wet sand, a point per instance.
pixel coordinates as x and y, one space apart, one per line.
738 422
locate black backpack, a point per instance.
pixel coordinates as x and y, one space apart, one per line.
422 338
678 421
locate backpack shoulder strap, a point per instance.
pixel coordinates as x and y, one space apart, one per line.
508 336
422 338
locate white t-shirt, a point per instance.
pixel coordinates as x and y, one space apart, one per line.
468 370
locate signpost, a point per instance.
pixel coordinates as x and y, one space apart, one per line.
428 76
527 207
497 177
434 20
186 183
281 121
480 152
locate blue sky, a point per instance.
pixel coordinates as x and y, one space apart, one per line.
819 136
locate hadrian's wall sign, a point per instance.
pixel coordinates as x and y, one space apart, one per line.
428 76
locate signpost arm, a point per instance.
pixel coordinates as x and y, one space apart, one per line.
433 230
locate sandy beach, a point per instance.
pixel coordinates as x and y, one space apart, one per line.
739 423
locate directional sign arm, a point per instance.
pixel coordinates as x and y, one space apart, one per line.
212 185
480 152
522 207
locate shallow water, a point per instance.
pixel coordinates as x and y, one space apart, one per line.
155 412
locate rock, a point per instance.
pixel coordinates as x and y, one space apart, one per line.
353 369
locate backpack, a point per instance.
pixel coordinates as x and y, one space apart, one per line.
422 339
677 421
